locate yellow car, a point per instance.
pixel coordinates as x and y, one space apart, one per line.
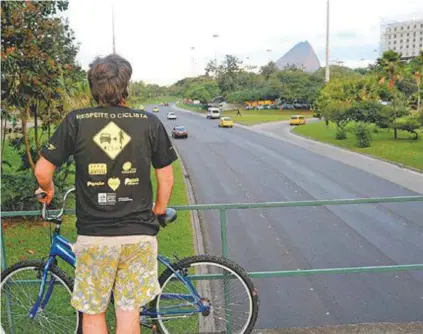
226 122
141 107
297 120
156 109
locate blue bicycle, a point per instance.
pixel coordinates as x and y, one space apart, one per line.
199 294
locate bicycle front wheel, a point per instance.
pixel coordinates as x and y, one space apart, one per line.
20 286
223 287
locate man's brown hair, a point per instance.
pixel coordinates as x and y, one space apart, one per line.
108 78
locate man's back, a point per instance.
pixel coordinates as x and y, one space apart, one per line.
113 148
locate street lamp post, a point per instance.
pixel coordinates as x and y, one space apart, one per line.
193 60
327 72
113 29
215 36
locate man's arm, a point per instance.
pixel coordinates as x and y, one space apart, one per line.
44 171
54 154
164 178
162 157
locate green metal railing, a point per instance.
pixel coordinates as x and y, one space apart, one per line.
268 274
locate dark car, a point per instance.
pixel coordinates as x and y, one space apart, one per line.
166 104
179 132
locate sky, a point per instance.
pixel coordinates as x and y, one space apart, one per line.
157 37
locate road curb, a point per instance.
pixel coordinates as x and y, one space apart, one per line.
398 164
195 217
375 328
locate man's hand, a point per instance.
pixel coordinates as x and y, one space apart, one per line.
158 211
49 194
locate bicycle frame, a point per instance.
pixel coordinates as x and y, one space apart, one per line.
62 248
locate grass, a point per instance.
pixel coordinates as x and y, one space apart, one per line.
252 117
403 150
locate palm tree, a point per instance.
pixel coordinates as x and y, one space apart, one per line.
416 66
391 67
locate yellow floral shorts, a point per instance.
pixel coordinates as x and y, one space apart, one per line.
129 270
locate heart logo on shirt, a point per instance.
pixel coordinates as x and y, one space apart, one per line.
113 183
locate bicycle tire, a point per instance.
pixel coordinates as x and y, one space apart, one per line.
185 263
39 265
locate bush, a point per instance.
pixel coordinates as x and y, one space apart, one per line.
407 123
362 133
18 183
341 133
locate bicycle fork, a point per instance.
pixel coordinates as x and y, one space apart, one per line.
41 303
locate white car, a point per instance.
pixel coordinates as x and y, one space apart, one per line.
213 113
171 115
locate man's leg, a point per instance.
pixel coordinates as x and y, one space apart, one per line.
96 267
94 324
127 322
136 283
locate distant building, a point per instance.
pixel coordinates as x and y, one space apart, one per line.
302 56
404 37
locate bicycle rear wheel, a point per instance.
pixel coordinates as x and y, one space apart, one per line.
229 293
20 285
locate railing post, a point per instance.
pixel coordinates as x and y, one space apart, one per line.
223 232
3 250
226 280
3 267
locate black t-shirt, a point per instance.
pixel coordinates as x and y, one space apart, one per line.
113 148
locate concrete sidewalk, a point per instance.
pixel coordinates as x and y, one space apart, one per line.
378 328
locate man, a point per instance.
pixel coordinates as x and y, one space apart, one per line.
113 147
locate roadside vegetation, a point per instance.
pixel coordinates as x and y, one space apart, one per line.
403 150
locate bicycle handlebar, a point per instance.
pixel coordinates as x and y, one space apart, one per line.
165 219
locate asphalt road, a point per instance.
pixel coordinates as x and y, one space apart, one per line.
238 165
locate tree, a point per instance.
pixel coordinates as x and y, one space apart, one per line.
390 66
337 72
297 85
204 91
416 69
267 70
37 51
408 123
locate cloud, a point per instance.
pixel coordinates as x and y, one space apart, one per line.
157 36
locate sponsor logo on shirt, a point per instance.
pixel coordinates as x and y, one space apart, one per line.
127 168
132 181
97 169
112 140
95 183
107 199
113 183
125 199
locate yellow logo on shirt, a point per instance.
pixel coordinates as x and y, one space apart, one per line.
132 181
97 169
95 183
127 168
113 183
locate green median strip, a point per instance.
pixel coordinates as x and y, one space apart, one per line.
252 117
403 150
